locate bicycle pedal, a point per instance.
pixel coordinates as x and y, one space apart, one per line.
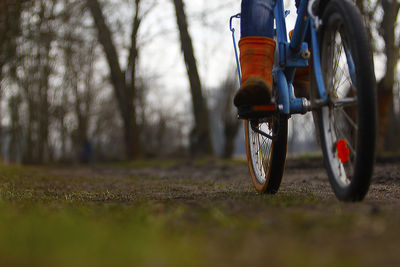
257 111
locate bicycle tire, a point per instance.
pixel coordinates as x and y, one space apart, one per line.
347 126
266 157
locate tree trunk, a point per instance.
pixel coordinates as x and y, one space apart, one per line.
386 30
44 120
385 86
28 153
10 13
15 128
124 92
229 118
133 137
201 133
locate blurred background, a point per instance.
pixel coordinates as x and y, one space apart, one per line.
89 80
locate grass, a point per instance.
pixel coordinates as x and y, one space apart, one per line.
70 220
76 235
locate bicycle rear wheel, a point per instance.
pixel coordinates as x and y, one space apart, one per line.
347 125
266 157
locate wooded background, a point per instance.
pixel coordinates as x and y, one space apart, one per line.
81 83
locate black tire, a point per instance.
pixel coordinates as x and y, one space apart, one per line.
347 126
266 158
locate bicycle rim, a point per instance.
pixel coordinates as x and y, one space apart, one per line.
266 157
347 123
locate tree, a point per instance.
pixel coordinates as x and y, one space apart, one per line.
200 138
386 25
14 148
229 115
78 83
392 48
10 15
35 61
123 81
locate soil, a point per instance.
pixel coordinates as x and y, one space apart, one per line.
189 180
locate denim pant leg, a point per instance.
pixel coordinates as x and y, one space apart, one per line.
257 18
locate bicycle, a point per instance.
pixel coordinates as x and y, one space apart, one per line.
342 98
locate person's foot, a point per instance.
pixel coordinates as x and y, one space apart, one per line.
256 60
254 91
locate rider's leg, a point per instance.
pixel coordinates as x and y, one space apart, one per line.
256 52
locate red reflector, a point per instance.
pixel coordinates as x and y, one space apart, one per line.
343 151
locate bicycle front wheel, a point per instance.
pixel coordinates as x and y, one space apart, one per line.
266 156
347 125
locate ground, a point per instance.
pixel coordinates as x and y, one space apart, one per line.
193 213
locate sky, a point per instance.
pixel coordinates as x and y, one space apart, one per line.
208 25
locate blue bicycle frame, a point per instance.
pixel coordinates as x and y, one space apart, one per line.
293 54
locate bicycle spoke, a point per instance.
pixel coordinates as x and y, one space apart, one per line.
343 81
262 153
350 120
266 153
338 78
337 58
343 134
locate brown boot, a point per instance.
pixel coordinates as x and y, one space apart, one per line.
301 82
256 60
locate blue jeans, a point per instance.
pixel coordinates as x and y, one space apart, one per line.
257 18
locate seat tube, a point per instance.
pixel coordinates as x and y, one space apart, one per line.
281 36
283 91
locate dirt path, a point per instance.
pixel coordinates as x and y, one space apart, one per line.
187 180
209 210
304 175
